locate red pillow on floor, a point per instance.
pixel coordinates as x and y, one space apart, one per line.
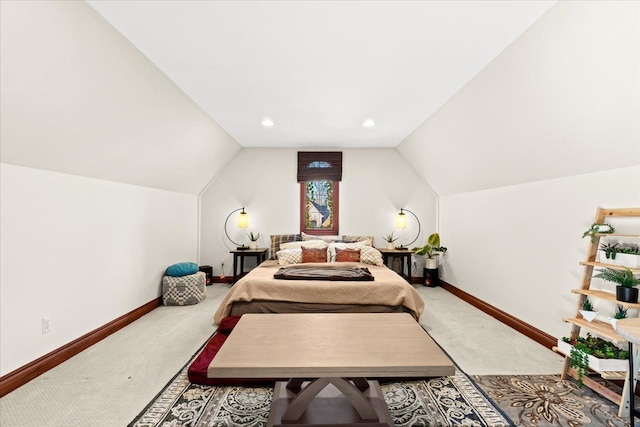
197 372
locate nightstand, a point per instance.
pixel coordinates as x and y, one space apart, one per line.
403 254
259 253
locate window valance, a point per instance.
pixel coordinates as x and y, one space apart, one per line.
319 165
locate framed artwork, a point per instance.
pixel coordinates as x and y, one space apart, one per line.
319 207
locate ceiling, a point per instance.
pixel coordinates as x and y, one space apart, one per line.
318 69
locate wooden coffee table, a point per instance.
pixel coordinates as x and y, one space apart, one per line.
328 358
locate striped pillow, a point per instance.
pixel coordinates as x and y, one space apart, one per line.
277 239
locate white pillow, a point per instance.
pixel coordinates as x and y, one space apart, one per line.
289 256
328 239
307 244
369 255
331 251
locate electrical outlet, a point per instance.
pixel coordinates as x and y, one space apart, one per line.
46 325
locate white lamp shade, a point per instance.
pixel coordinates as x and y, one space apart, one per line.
243 219
401 221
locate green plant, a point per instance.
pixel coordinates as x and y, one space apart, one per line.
582 347
432 248
253 237
628 250
610 250
598 228
579 360
620 313
586 305
390 237
623 278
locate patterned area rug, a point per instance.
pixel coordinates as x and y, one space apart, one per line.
445 401
546 400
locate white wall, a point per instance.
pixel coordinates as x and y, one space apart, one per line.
82 251
376 183
77 97
523 155
562 100
518 247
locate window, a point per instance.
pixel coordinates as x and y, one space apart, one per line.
319 175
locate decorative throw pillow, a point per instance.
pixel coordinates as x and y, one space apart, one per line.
347 255
314 254
331 250
278 239
289 256
306 244
182 269
369 255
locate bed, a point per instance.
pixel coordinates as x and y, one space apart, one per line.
260 292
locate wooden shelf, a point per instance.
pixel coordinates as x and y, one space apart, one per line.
597 327
611 266
608 296
607 375
614 375
637 236
603 329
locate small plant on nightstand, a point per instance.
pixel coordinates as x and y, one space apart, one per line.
390 238
253 238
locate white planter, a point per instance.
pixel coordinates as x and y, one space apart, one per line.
390 245
613 321
252 244
588 315
431 263
627 260
600 365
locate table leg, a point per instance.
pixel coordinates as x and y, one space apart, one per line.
235 267
408 258
241 266
316 403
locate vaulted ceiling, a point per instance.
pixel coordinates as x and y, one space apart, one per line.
318 69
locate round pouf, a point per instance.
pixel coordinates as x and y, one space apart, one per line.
184 290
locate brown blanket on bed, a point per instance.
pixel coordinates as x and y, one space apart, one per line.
347 274
388 288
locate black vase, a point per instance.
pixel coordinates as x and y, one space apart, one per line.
625 294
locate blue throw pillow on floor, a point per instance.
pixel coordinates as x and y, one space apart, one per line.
182 269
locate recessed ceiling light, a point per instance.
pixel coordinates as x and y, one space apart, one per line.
368 123
267 123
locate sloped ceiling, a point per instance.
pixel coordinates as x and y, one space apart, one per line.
76 97
318 69
562 100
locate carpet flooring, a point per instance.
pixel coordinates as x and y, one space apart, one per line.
444 401
458 400
546 400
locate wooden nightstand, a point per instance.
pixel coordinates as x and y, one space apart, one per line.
259 253
403 254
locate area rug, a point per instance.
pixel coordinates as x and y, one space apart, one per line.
444 401
546 400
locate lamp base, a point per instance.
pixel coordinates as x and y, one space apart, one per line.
402 248
242 248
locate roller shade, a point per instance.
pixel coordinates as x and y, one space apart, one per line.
319 165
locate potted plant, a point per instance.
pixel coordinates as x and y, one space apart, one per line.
587 310
390 239
593 352
610 251
628 256
620 313
431 250
625 289
598 228
253 239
